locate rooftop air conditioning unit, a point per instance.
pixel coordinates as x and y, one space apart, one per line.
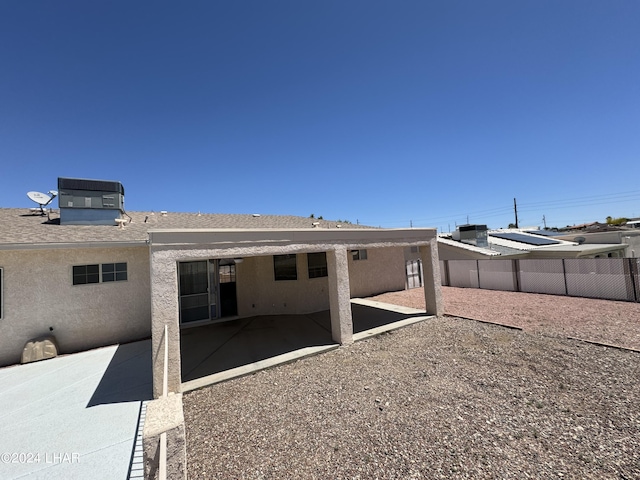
474 235
89 202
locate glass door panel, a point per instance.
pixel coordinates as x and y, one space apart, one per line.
194 291
213 289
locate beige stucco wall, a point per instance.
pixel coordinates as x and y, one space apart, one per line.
260 294
38 294
382 271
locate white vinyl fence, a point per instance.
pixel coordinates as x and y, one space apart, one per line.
608 278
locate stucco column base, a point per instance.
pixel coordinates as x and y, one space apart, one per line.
165 415
432 280
340 296
165 311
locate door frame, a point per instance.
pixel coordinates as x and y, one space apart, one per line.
213 292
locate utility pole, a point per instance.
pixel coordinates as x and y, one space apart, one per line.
411 223
515 209
544 220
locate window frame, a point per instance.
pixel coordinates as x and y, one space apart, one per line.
280 276
117 272
120 272
359 254
319 270
1 293
94 276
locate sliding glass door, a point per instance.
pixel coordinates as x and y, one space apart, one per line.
207 290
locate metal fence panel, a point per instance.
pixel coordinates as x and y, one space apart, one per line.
444 277
542 276
598 278
634 264
497 275
463 273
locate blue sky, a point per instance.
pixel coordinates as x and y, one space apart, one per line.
394 113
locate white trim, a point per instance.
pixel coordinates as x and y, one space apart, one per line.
49 246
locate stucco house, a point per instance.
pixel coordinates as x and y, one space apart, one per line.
116 277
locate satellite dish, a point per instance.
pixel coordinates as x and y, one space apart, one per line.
42 199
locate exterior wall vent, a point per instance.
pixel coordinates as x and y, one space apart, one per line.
89 202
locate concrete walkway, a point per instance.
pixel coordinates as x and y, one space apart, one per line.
75 416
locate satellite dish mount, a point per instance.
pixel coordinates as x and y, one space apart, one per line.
42 199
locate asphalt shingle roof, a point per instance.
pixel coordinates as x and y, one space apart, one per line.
20 226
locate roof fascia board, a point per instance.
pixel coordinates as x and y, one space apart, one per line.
69 245
183 237
456 245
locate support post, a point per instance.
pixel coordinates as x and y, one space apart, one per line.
432 279
164 312
515 265
340 296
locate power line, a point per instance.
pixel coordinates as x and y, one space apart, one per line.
487 213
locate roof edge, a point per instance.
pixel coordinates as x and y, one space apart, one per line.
65 245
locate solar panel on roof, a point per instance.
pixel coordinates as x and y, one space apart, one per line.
544 233
522 238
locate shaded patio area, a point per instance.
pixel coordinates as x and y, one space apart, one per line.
218 352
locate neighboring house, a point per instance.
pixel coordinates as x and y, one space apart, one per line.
475 242
93 278
627 237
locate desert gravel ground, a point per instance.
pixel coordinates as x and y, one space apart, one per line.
605 321
444 398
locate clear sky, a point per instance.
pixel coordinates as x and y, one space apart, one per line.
390 113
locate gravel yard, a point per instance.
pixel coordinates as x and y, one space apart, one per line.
445 398
605 321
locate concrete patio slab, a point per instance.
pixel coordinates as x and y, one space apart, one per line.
222 351
74 416
251 341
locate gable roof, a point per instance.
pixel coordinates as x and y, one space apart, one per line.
19 227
